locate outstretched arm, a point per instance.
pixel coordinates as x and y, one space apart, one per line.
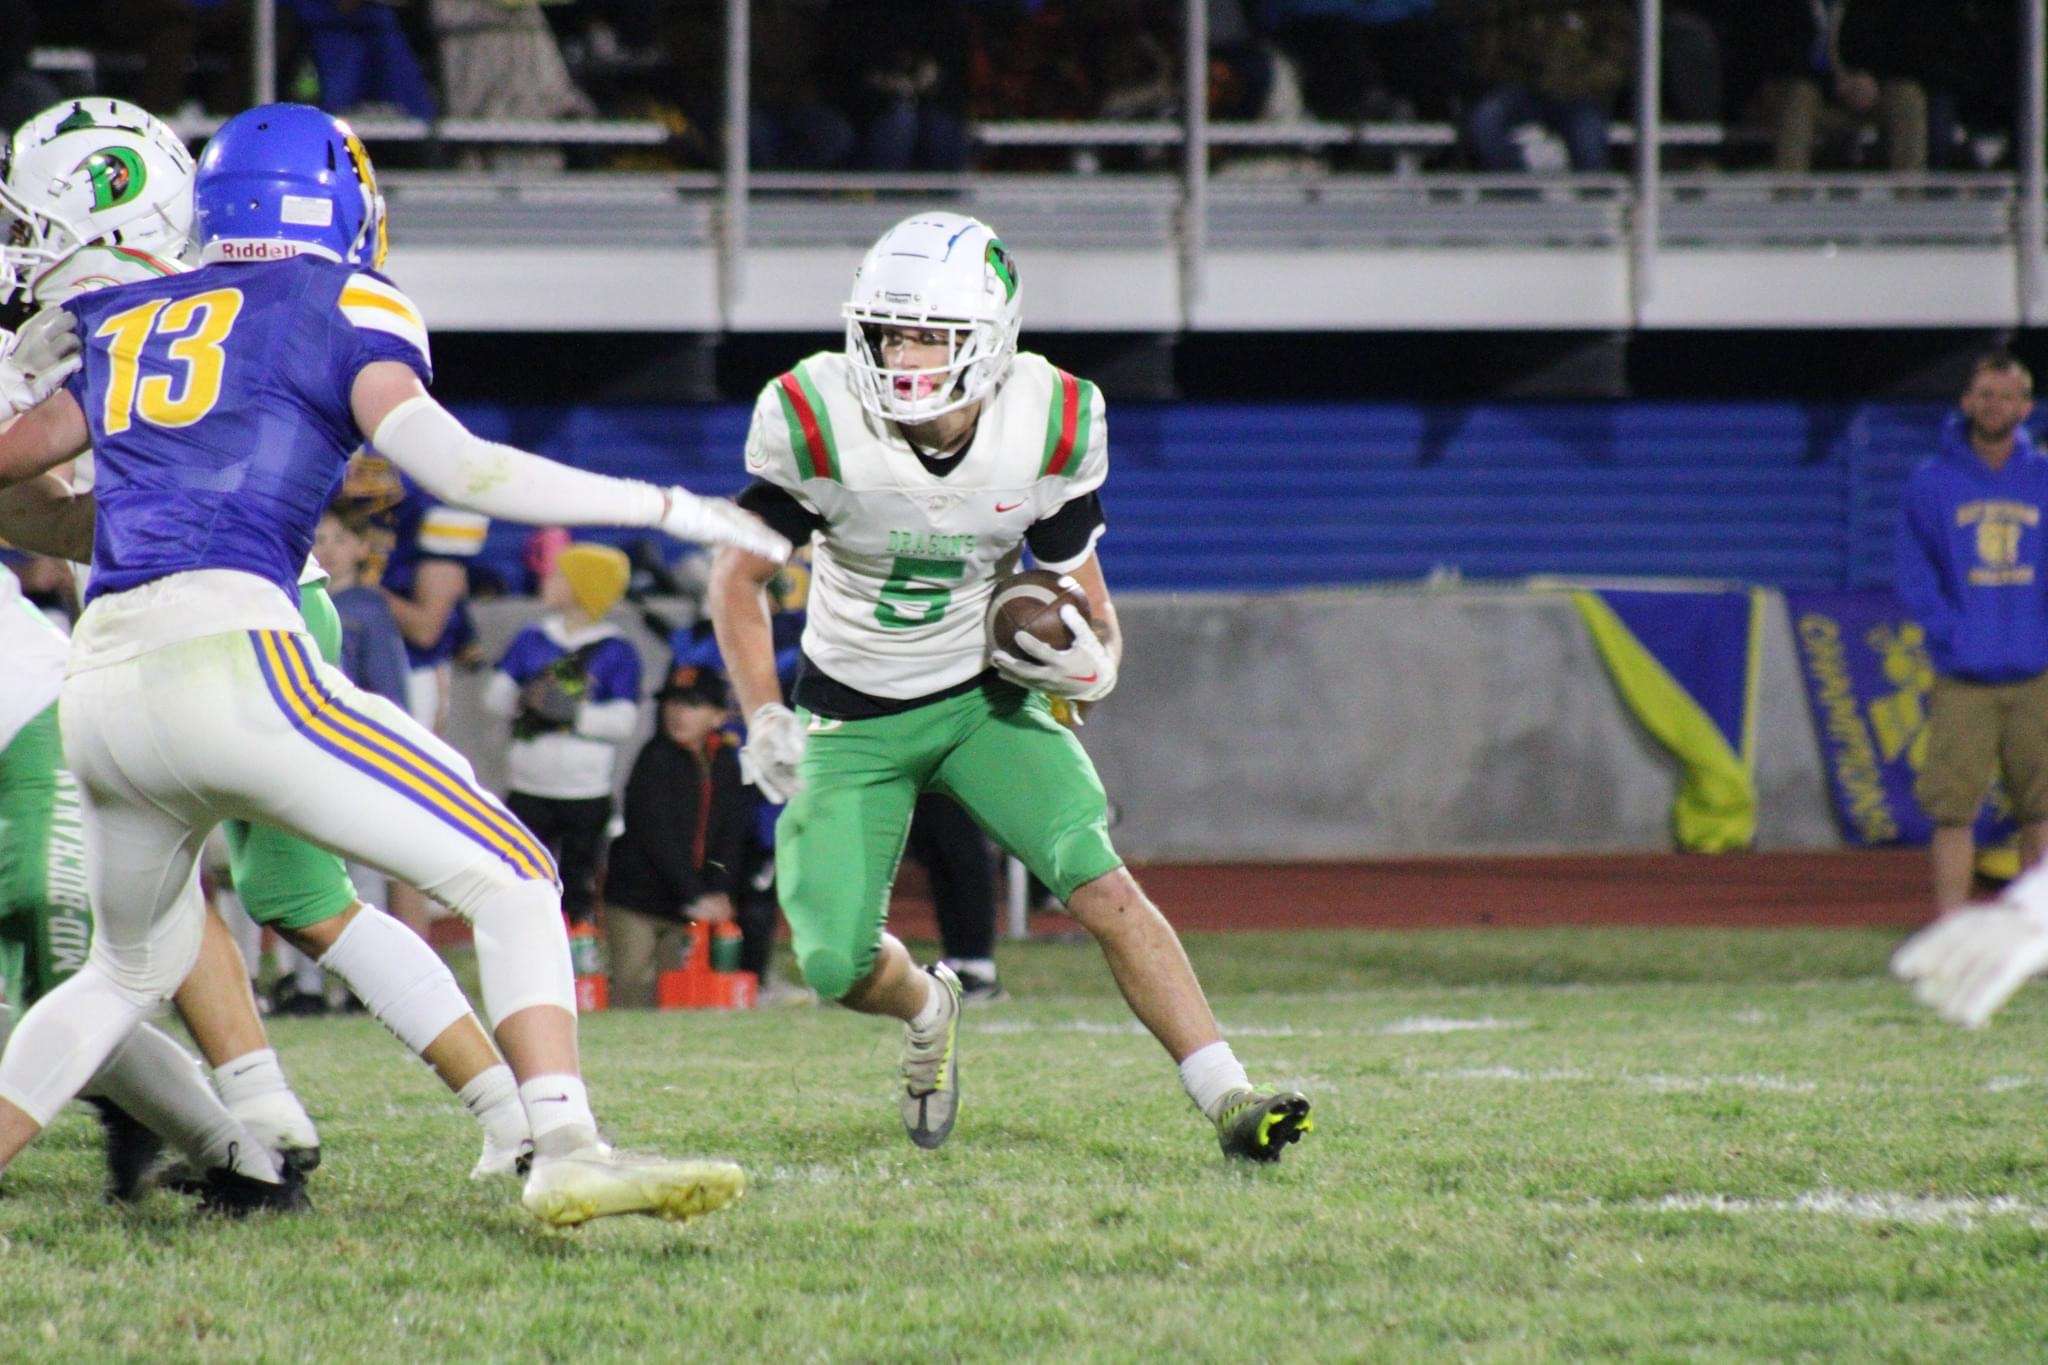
421 437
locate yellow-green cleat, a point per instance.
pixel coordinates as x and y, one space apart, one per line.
931 1073
598 1182
1256 1124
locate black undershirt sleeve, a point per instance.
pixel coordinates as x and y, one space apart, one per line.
779 508
1067 532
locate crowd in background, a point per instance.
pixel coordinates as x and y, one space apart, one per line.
894 85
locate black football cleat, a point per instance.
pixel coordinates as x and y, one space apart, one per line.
133 1152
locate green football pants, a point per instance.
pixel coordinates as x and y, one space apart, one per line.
45 904
998 752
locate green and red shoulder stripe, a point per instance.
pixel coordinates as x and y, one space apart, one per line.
1066 423
810 425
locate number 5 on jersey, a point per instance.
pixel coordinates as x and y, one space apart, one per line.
195 327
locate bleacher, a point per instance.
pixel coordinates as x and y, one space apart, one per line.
1244 496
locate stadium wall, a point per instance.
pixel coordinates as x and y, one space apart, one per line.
1254 497
1337 725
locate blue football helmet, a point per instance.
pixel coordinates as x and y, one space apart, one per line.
282 179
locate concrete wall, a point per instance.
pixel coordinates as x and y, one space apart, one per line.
1336 725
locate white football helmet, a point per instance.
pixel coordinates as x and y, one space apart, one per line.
936 270
92 171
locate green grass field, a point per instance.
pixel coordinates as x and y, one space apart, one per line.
1530 1144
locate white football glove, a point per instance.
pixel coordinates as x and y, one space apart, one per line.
35 362
716 521
774 752
1966 964
1083 671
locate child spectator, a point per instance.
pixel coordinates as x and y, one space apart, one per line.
679 858
570 685
372 646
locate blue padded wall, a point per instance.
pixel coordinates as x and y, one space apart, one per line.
1215 496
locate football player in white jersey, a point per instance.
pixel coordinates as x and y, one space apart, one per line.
100 193
919 464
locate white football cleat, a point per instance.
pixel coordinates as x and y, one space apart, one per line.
281 1124
1968 963
599 1182
498 1159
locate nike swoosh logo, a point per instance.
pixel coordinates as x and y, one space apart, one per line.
551 1099
243 1070
1009 507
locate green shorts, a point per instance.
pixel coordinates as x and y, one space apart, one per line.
45 903
998 752
284 881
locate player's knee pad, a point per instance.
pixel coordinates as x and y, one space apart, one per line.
399 979
833 968
522 950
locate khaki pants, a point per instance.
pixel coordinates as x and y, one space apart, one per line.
640 948
1980 730
1800 119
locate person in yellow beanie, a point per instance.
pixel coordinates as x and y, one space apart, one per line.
570 685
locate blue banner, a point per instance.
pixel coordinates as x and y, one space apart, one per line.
1686 664
1867 678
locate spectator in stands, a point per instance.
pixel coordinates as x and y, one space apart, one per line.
1962 55
1972 568
499 60
570 685
1370 59
361 56
23 93
372 648
679 858
1817 96
792 125
170 34
1554 63
903 68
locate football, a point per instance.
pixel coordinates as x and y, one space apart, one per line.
1028 603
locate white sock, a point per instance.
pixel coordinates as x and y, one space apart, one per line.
160 1085
250 1076
937 1000
492 1098
1209 1074
558 1113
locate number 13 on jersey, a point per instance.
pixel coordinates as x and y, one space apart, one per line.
195 328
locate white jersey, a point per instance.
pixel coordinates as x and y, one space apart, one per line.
97 267
903 571
34 650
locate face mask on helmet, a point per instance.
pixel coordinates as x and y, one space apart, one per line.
937 273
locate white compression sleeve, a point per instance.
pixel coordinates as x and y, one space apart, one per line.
399 979
454 464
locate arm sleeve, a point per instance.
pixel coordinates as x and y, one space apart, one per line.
659 813
1917 552
424 439
1067 537
779 507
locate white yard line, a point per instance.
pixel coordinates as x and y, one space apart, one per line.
1657 1081
1955 1212
1419 1024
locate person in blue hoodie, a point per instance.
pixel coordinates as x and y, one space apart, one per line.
1972 569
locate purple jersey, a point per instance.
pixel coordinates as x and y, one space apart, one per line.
218 402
